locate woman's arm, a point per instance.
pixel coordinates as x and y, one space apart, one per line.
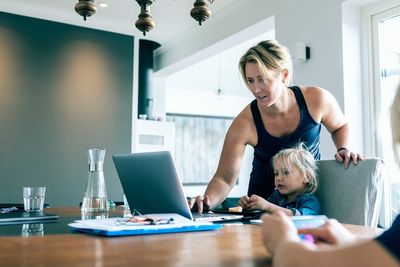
366 254
324 108
240 133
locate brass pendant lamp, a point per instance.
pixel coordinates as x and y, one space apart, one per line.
145 23
200 12
85 8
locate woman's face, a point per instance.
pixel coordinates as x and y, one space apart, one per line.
265 91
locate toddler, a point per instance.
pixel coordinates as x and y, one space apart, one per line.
295 183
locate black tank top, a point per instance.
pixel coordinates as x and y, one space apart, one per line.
308 131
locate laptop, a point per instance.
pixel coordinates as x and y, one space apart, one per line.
21 217
151 185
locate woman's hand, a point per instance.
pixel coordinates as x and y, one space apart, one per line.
200 203
332 232
278 229
345 156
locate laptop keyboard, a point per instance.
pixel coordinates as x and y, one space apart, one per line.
206 215
215 217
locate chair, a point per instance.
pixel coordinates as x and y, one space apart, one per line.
351 195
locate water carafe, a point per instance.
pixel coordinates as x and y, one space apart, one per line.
95 198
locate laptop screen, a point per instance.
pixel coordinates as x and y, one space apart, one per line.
151 183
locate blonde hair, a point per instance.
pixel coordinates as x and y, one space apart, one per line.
302 158
271 58
395 123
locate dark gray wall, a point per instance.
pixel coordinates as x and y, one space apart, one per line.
63 89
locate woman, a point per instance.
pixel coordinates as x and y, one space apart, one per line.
278 118
281 239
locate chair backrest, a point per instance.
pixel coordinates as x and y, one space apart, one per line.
351 195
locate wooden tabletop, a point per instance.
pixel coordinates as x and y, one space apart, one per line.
233 245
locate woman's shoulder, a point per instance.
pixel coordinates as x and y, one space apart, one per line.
313 91
317 99
243 127
244 117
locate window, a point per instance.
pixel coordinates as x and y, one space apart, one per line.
386 68
198 145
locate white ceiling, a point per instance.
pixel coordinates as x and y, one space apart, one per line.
172 17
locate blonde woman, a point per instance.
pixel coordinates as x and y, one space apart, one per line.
343 249
295 182
279 117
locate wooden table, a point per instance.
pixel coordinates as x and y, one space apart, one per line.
233 245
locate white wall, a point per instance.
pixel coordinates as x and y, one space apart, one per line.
352 74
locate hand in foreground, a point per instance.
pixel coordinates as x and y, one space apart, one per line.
278 229
332 232
200 204
346 156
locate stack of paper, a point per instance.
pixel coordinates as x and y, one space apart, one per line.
146 224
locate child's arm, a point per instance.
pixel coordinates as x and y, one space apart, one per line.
275 208
307 205
259 203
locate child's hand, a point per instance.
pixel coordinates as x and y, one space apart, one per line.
258 203
243 202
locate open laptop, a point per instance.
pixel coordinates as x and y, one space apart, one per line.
151 185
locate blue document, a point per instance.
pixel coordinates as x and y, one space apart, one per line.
141 225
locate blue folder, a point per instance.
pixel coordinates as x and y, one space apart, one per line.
149 231
141 225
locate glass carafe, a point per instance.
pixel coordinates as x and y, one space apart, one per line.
95 198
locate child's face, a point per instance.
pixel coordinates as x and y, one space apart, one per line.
289 182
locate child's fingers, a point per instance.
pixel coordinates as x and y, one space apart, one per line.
243 201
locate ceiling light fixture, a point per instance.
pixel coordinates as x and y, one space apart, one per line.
200 12
85 8
145 23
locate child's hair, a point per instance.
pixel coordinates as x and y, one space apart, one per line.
303 159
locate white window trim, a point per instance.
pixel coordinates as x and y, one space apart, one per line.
371 81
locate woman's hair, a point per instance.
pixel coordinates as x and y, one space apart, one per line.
395 122
270 56
302 158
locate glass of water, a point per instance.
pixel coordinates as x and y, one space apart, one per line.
34 229
33 198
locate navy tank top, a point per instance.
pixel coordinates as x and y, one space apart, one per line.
308 131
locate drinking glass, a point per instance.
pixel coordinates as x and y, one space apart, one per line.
33 198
